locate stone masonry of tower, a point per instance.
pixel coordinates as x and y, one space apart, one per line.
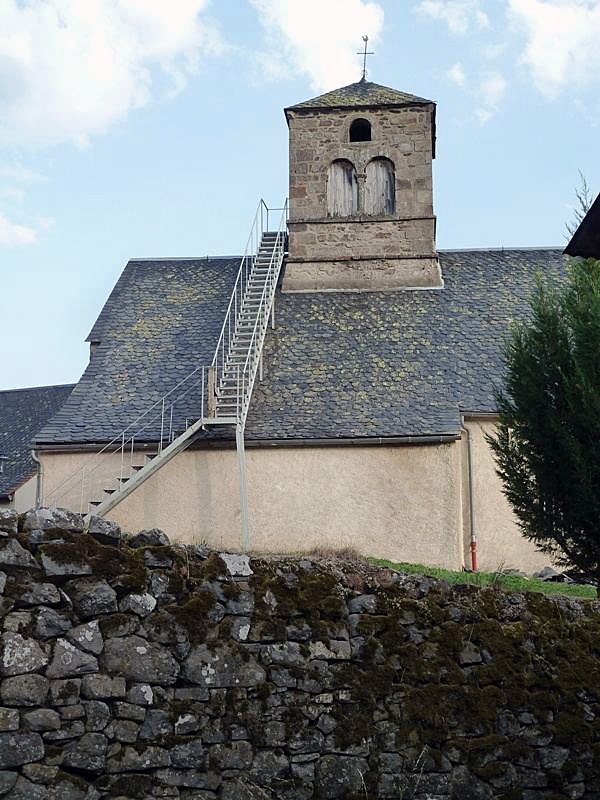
359 251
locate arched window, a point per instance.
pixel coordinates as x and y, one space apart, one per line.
380 188
360 131
342 189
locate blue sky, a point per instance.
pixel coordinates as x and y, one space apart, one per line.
146 128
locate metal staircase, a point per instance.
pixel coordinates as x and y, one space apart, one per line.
224 388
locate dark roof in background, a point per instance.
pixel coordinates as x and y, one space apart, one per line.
586 239
22 413
363 93
372 364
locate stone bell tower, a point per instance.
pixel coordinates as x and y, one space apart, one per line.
361 199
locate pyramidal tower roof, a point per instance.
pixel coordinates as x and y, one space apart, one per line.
363 94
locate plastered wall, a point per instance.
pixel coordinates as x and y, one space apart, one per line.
25 495
401 503
500 543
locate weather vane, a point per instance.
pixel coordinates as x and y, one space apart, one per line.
364 54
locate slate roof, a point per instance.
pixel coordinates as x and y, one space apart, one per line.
22 413
361 94
372 364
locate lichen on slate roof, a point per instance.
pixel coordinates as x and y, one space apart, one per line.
22 413
337 365
363 93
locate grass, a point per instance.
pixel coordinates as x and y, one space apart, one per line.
511 583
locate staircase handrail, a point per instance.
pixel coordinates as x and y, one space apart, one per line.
131 432
251 362
254 238
125 440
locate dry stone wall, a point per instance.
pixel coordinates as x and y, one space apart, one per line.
130 668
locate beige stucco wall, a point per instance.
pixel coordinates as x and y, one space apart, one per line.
500 544
401 503
24 498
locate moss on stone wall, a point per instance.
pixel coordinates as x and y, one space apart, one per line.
163 671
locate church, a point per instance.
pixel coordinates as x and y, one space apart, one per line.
331 387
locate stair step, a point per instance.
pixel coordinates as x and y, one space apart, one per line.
95 502
109 491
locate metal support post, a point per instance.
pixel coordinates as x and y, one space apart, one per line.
211 394
241 453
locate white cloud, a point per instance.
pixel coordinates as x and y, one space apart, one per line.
12 234
457 74
70 68
460 15
562 41
46 223
14 177
13 194
15 172
319 38
490 93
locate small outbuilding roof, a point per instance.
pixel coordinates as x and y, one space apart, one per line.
23 412
586 239
337 365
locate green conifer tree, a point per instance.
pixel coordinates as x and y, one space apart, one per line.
547 444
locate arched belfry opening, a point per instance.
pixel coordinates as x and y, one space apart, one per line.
380 187
342 189
360 130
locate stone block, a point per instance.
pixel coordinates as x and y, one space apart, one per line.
9 719
101 687
69 661
65 692
41 719
91 597
51 519
17 748
104 531
149 538
87 637
36 594
139 660
13 554
19 655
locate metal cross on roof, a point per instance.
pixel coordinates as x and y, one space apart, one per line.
364 54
